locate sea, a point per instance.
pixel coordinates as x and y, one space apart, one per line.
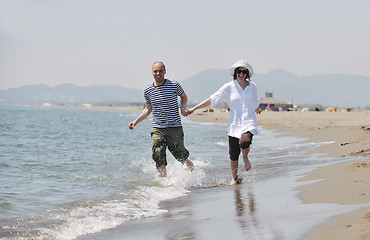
67 173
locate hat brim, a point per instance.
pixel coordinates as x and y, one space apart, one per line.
241 63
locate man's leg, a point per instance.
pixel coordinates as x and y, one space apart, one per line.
159 151
176 146
162 171
189 164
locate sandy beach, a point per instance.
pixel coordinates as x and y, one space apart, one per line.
347 182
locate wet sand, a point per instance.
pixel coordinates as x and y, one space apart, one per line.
346 182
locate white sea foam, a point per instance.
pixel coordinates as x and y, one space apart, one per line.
302 145
224 144
142 202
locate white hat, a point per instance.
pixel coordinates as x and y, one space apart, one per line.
241 63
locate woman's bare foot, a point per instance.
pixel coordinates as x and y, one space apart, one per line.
233 182
236 180
247 164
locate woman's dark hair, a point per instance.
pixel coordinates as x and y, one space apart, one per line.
246 75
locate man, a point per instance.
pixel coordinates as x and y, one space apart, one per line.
161 98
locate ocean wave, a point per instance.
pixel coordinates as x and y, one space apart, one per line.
86 217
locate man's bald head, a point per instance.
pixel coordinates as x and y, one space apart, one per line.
159 63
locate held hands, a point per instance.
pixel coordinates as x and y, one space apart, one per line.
191 110
186 111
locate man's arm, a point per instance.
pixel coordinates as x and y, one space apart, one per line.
183 102
144 114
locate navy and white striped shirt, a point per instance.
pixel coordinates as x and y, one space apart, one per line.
164 101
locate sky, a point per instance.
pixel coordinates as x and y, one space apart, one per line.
112 42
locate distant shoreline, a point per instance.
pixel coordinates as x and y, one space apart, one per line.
106 108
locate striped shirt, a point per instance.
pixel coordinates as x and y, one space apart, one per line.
164 101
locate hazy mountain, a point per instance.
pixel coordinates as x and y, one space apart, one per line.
202 85
69 94
330 89
342 90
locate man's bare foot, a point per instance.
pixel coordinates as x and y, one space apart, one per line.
189 164
162 171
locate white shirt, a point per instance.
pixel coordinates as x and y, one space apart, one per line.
242 105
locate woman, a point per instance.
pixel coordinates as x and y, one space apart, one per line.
241 96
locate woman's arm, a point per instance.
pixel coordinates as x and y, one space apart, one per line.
200 105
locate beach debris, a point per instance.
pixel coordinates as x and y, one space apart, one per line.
332 109
346 109
363 165
361 152
358 165
358 181
209 110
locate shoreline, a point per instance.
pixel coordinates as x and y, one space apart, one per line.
346 182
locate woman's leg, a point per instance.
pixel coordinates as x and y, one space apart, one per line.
234 152
234 170
247 164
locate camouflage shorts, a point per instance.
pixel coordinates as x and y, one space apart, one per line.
173 138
